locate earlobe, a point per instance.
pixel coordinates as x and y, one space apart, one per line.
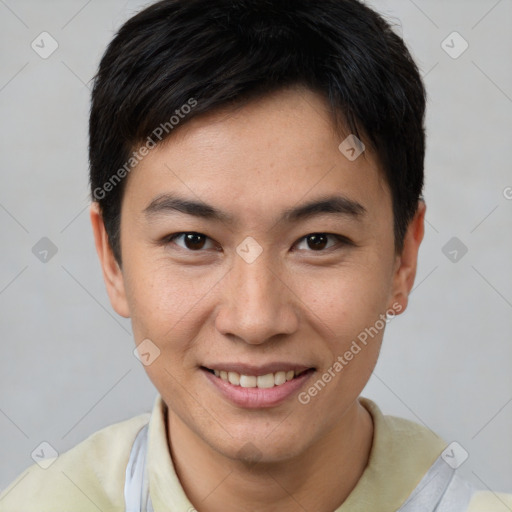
407 260
112 273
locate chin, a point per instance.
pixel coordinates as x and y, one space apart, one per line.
253 449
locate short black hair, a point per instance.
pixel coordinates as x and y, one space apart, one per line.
178 59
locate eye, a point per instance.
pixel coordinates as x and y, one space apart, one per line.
319 241
192 241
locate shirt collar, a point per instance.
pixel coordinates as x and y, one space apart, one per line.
401 453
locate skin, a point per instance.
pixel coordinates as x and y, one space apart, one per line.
294 303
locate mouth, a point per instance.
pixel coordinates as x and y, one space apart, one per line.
257 387
266 381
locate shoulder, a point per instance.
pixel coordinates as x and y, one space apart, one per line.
414 447
488 501
405 436
88 476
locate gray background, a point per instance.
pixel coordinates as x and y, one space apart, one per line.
67 367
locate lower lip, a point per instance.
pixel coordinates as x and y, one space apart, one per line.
254 398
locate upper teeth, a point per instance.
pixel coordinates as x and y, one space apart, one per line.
262 381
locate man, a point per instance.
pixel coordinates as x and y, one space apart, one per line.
256 175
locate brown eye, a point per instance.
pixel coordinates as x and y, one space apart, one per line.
192 241
317 242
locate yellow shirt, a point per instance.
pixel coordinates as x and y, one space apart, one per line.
91 475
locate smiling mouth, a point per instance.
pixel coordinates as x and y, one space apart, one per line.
269 380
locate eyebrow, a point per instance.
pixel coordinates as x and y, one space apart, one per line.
166 204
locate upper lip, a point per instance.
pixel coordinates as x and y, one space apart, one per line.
257 370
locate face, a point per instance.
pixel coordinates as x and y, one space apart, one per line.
254 279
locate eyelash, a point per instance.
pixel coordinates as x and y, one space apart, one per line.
342 240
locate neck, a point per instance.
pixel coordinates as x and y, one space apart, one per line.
319 478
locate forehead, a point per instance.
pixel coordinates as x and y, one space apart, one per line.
277 150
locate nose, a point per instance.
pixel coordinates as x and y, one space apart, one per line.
258 304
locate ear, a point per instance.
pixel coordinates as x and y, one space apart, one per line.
406 262
112 273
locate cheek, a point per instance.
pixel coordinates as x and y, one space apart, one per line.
347 299
162 306
349 307
349 310
166 303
